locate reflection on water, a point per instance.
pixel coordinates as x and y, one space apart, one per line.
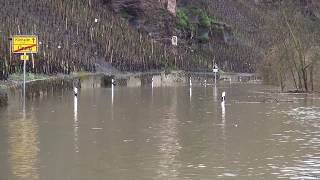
305 113
76 124
303 169
24 148
215 93
169 145
112 92
223 112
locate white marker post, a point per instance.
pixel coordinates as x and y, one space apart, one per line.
223 96
75 91
152 85
223 107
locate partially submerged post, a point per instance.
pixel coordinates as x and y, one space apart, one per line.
107 81
152 84
223 96
223 107
112 90
75 91
76 86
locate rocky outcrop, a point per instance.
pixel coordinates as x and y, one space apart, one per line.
139 7
155 17
133 7
170 5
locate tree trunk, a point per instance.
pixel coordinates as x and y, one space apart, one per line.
294 79
305 80
311 77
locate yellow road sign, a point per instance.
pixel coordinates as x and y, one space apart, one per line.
24 44
24 57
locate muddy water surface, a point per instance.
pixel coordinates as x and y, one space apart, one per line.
161 133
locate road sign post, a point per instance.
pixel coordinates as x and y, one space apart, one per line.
215 70
24 58
23 44
174 40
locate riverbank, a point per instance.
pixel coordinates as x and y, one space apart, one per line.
39 84
36 83
15 81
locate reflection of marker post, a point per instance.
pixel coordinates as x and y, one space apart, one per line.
215 95
223 112
190 93
76 125
112 90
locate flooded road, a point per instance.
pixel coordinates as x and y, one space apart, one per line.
161 133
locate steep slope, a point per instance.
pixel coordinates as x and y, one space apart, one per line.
75 35
135 35
256 26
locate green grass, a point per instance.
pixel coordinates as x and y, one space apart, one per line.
2 87
182 18
29 77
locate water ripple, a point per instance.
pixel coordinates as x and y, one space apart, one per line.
305 113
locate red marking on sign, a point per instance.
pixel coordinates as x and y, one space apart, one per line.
24 48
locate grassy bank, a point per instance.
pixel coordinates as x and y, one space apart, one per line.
16 80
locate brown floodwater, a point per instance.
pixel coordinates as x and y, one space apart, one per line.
175 132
